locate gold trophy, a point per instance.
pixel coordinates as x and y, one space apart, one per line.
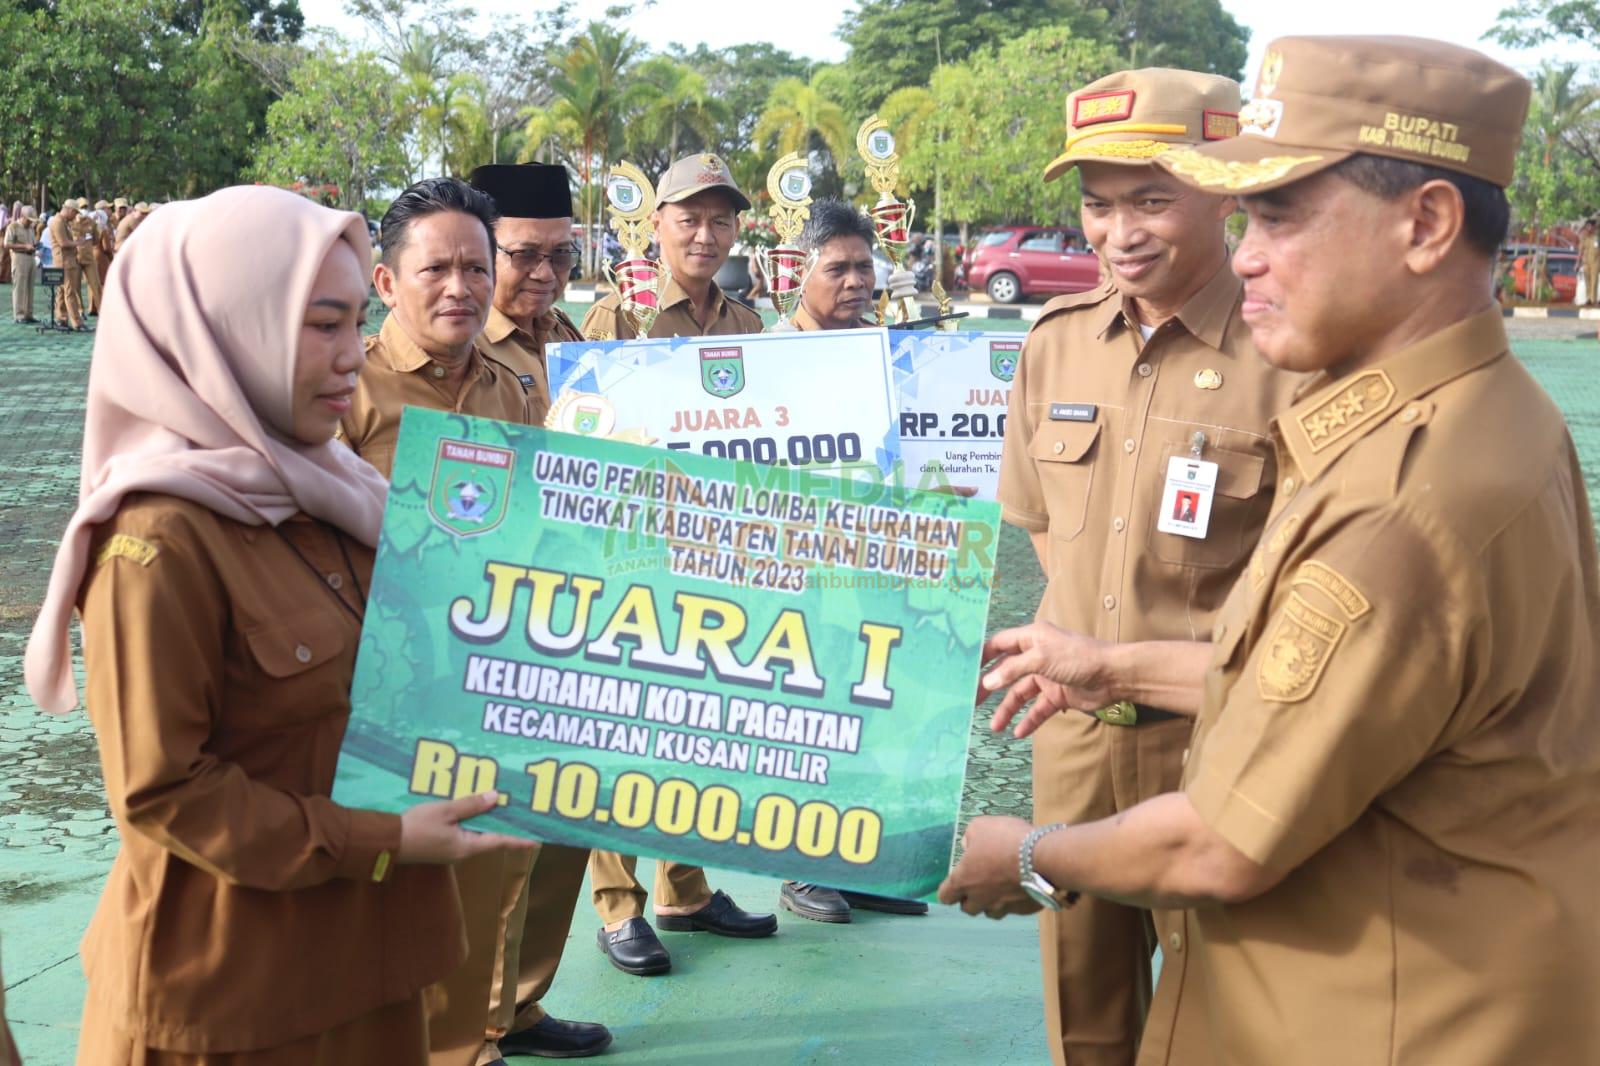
891 216
785 266
638 279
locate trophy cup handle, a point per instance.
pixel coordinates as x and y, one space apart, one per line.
911 215
610 276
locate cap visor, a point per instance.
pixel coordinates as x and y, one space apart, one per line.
740 200
1247 164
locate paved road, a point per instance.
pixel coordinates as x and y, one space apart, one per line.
880 992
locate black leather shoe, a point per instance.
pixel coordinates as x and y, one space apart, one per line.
634 949
814 902
553 1038
721 916
887 904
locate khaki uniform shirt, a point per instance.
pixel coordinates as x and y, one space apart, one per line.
240 912
20 231
1403 713
506 343
61 240
1095 485
126 227
398 373
1589 259
606 322
86 230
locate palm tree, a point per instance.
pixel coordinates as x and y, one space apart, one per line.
673 99
799 114
589 107
1559 107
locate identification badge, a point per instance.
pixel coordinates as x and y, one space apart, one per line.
1072 412
1186 502
526 379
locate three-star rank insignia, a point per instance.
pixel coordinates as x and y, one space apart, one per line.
1359 402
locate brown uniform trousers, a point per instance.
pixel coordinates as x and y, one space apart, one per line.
618 895
240 922
88 261
69 305
1400 720
1095 414
510 959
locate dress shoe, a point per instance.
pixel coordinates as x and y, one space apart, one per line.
887 904
721 916
635 949
814 902
552 1038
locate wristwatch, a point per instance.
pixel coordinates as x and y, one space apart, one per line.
1034 884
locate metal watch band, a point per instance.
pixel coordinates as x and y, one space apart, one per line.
1025 853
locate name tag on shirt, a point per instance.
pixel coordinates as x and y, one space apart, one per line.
1186 501
1072 412
526 379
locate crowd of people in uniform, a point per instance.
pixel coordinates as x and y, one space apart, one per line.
80 239
1332 749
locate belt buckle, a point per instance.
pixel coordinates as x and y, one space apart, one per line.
1121 713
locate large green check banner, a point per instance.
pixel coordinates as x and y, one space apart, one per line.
669 654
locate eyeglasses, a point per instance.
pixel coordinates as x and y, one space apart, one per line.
528 259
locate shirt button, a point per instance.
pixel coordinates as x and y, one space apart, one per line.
1118 524
1410 415
1288 485
336 581
1110 602
1185 760
1144 370
1175 942
1129 445
302 653
438 371
1059 448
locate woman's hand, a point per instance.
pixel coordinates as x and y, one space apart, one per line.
1057 670
431 833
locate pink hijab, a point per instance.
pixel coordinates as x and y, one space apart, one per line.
191 389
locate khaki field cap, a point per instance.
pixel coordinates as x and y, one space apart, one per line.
1136 115
1320 100
694 174
121 201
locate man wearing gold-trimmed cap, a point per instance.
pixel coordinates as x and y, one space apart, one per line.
1117 388
696 220
1385 830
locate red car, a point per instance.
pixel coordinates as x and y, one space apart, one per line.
1011 262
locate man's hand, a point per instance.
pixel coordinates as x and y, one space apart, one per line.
431 833
987 880
1057 670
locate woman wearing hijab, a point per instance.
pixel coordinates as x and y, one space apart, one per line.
219 558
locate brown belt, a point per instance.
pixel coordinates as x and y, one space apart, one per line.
1125 713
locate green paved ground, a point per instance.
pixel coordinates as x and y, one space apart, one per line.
884 991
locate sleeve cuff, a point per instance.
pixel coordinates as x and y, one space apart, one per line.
367 835
1032 521
1258 834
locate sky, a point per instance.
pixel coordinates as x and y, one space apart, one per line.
721 23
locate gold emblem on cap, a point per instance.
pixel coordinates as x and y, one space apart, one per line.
1271 71
1232 176
1208 379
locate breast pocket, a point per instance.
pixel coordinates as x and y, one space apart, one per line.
1237 511
1065 453
297 669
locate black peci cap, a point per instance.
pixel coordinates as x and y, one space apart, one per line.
526 190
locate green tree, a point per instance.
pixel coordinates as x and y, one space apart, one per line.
800 116
676 107
335 127
1534 22
899 43
585 118
1187 34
